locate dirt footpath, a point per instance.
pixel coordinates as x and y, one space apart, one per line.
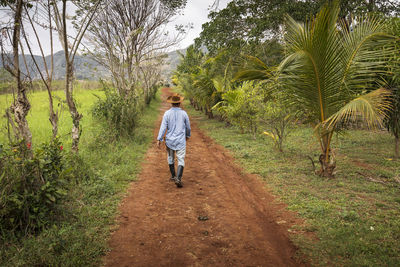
160 224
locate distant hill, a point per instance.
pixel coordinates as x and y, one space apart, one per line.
172 61
86 68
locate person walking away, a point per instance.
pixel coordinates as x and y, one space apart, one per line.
176 125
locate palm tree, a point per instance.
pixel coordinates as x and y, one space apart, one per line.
393 120
332 72
205 92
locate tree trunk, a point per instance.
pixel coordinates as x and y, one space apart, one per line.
69 78
53 116
326 159
396 147
21 105
76 117
210 114
328 166
10 126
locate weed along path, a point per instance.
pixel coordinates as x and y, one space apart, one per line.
221 216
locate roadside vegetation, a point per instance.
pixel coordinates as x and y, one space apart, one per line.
91 186
351 220
308 109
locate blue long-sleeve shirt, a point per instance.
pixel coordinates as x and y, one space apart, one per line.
176 122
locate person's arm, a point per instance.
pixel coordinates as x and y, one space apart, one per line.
163 128
187 125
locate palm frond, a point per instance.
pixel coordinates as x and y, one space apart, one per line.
364 51
328 66
257 63
371 108
310 71
250 75
257 70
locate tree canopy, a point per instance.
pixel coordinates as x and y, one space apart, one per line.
249 21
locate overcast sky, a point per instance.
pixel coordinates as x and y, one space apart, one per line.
196 12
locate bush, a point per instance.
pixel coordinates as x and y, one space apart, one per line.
120 112
32 186
241 107
278 118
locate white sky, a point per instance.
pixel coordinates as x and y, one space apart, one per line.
196 13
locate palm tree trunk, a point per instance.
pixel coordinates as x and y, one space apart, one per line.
210 114
327 166
396 147
327 161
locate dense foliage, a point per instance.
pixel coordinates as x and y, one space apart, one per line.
245 22
120 113
251 106
393 80
32 184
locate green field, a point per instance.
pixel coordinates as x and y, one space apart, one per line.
38 116
350 220
105 168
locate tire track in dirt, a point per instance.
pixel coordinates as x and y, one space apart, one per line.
159 226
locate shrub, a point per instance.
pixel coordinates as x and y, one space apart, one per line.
31 186
278 117
120 112
241 107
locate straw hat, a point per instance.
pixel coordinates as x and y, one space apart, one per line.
175 99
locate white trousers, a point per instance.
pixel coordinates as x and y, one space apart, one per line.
180 154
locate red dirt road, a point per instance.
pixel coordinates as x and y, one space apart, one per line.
159 224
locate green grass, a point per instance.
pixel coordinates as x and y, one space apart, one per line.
351 220
6 87
38 115
107 166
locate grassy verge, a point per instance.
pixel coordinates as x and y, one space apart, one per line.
107 167
355 217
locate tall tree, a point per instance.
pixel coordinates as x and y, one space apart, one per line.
246 21
127 34
71 46
20 106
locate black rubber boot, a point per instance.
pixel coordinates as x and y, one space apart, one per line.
172 170
178 179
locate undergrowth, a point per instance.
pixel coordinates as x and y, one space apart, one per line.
32 186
